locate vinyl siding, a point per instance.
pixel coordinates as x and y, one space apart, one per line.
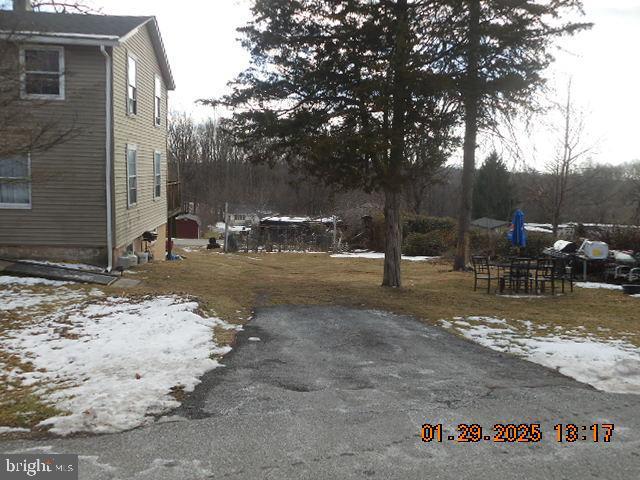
139 130
68 181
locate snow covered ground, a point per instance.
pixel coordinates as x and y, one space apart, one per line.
110 363
607 364
595 285
379 255
30 293
30 281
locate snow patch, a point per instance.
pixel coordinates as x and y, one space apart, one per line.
192 249
30 281
606 364
525 296
114 363
380 255
13 430
605 286
17 296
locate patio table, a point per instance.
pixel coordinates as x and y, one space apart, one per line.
518 268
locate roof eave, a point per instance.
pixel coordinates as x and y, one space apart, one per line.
60 39
156 39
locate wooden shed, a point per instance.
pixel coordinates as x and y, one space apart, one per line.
187 226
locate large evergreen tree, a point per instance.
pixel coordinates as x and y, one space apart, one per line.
493 192
343 90
503 47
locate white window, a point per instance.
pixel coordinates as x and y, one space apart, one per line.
132 175
157 106
15 182
42 72
132 88
157 174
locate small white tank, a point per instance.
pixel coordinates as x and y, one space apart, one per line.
595 250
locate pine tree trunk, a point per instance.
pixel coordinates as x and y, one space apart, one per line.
393 240
466 195
471 100
393 189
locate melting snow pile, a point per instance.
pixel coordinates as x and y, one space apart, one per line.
604 286
111 363
606 364
380 255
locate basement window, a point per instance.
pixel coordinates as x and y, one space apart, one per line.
42 73
15 182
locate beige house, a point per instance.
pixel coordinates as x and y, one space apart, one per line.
101 190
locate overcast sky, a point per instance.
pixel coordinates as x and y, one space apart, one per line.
200 38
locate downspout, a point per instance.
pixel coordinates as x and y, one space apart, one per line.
108 157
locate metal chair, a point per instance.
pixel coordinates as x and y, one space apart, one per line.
564 272
616 272
634 275
481 272
519 275
545 274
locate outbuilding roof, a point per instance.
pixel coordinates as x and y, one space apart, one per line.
488 223
69 28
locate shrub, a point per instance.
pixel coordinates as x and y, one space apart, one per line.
421 224
431 236
497 244
436 236
434 243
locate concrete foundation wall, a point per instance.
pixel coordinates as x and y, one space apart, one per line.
91 256
158 248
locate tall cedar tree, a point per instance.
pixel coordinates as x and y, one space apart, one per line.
493 192
342 90
504 45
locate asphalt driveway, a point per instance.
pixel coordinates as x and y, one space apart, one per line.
329 392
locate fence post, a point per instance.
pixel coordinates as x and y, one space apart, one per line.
226 226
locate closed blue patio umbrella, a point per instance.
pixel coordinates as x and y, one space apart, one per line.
517 234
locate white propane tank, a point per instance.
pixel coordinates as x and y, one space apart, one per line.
595 250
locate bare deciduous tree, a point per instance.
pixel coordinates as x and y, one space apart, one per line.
633 198
571 151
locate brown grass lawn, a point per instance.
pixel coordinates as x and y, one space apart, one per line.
231 285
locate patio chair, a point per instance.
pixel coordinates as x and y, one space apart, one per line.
518 276
615 272
545 274
621 272
564 273
634 275
481 272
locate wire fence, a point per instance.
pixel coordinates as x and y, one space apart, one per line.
277 238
